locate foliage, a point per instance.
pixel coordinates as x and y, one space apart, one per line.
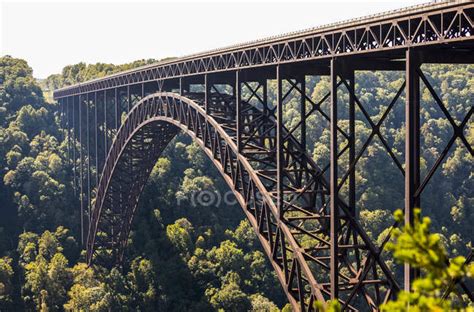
86 293
6 282
424 250
229 297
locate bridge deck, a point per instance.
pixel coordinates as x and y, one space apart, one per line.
379 35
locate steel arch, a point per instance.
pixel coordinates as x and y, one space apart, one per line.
296 239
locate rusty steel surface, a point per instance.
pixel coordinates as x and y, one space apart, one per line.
365 280
118 126
424 25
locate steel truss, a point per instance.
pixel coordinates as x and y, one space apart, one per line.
432 24
305 214
301 219
309 232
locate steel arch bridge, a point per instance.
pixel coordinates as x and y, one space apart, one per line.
307 226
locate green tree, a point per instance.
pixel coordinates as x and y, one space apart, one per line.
424 250
179 235
230 297
143 281
6 283
87 292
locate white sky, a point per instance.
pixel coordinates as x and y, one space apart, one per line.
50 35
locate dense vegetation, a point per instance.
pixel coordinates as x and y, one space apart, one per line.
182 255
417 245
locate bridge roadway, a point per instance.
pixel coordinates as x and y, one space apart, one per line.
308 227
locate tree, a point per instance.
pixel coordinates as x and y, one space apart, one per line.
179 235
143 280
18 87
47 276
6 283
230 297
119 291
87 292
227 257
424 250
262 304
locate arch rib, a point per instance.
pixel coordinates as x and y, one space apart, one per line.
296 242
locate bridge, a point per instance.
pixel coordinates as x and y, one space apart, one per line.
308 227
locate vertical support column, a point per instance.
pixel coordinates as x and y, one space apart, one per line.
81 173
88 134
183 86
143 90
64 117
97 170
74 145
129 99
265 103
264 95
59 109
412 147
238 110
61 116
279 141
303 111
106 148
68 118
116 101
350 78
206 92
334 211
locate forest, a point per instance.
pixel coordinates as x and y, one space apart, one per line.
184 256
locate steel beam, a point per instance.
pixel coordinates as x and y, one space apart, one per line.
129 100
68 131
116 108
412 147
279 142
334 192
61 117
96 137
74 145
372 64
303 117
88 161
106 145
350 77
207 91
81 173
238 109
447 56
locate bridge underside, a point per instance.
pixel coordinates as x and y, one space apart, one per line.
308 229
301 217
305 214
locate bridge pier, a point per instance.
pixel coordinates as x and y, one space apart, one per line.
96 139
88 134
81 169
333 181
74 141
412 148
279 141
